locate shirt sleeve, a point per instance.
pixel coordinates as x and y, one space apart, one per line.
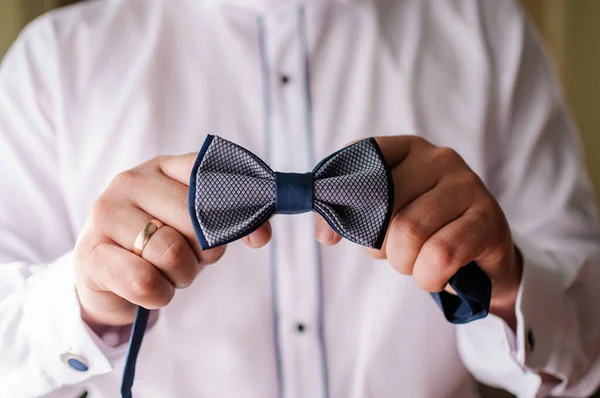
40 320
544 191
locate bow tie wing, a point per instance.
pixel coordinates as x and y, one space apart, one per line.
232 193
354 192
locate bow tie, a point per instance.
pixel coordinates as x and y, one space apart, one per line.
233 192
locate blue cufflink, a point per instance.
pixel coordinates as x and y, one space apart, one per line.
75 362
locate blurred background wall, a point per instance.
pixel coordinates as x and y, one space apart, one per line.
570 28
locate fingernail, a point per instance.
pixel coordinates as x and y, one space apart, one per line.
259 238
252 240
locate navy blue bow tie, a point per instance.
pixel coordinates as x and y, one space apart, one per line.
233 192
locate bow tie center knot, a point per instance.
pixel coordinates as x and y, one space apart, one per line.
294 193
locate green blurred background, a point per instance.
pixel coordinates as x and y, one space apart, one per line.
570 28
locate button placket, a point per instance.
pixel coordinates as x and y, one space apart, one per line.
296 256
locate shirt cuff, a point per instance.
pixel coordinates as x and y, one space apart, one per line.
539 309
56 331
495 354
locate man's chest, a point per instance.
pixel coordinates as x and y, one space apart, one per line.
291 88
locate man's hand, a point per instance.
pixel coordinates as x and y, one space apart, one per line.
444 218
110 279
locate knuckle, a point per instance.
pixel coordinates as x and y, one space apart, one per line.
126 178
409 229
153 163
446 156
482 214
146 287
157 161
156 164
416 140
441 253
102 208
468 179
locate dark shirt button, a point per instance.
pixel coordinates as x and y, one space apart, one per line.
530 340
300 328
285 79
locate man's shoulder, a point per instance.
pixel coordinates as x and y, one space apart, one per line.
93 22
97 16
100 11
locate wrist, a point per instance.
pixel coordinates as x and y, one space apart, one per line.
98 327
504 297
100 323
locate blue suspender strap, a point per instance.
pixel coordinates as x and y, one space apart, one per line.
135 342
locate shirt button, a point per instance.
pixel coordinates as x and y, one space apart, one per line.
284 79
530 340
300 327
75 362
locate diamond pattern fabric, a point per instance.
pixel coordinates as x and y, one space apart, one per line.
235 193
351 191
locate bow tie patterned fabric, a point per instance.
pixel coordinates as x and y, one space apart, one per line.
233 192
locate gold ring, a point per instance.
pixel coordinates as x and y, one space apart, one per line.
144 236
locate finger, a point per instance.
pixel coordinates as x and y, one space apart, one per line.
421 171
396 148
260 237
167 249
164 198
178 168
412 226
171 253
129 276
324 233
452 247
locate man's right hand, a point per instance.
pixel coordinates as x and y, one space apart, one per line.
111 280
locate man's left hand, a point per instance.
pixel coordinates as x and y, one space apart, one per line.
444 217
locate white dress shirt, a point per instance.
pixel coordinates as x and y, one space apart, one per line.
91 90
